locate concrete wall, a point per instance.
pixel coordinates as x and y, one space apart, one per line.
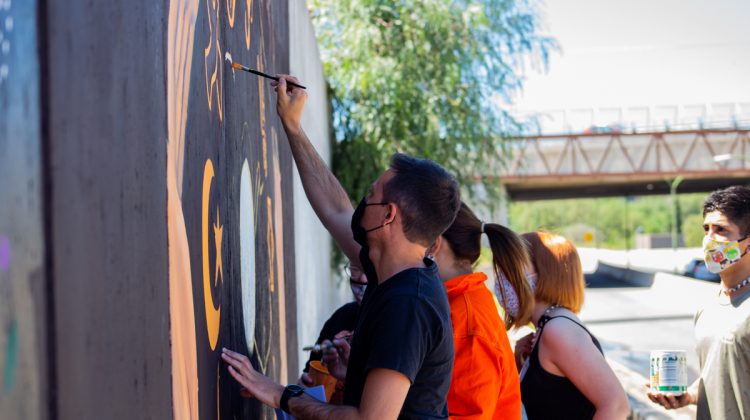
319 290
106 118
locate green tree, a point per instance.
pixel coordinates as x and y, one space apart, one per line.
649 214
424 77
692 228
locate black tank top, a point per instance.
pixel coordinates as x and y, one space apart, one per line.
548 396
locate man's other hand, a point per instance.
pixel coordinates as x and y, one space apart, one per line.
336 355
253 383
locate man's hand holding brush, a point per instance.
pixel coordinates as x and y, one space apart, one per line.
290 103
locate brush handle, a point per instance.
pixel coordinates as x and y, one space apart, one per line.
317 348
268 76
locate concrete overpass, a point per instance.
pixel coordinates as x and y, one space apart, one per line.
621 164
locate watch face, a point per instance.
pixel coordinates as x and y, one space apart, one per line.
295 389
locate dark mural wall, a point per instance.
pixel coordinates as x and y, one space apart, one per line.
237 199
169 206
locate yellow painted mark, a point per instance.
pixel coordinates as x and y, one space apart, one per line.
271 238
218 234
248 21
279 231
213 314
230 12
260 63
213 58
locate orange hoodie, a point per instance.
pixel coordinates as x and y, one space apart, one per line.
485 382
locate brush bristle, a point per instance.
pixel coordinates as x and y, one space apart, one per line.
237 66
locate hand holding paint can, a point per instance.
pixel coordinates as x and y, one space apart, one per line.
669 372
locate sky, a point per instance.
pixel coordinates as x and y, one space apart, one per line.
642 53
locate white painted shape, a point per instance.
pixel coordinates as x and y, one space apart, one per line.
9 23
247 255
6 47
3 72
228 57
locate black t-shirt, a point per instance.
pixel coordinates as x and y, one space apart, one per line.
405 325
345 318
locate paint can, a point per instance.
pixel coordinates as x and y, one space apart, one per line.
669 372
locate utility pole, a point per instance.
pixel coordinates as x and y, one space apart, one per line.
676 211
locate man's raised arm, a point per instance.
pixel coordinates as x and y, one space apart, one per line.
325 193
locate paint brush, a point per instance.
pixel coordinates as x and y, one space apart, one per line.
318 348
238 66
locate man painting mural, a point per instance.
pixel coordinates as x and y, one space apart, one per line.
401 354
722 327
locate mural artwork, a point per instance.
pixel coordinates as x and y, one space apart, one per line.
229 204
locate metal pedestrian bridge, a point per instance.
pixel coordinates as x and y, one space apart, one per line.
623 164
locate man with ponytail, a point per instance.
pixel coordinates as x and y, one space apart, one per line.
485 381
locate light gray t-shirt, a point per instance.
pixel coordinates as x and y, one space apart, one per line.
722 332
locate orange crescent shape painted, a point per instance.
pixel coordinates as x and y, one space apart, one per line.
213 315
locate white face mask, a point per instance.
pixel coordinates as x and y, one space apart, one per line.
510 303
721 254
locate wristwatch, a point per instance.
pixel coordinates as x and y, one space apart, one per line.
289 392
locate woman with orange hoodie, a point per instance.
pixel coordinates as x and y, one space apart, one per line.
485 382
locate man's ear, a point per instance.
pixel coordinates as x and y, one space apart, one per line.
390 215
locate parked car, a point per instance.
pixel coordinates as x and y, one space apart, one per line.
697 270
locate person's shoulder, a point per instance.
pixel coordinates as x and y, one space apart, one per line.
562 332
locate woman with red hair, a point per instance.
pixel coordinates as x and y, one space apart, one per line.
565 375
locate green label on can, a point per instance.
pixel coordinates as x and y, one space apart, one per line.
672 388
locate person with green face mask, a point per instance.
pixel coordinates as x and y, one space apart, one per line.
722 327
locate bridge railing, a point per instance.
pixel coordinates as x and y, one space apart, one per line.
636 118
605 154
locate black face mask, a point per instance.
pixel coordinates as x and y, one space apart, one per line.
360 236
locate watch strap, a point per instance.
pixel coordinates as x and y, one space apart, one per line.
289 392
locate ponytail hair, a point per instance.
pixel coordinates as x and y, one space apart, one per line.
509 256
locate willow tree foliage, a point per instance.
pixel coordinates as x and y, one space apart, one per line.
424 77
